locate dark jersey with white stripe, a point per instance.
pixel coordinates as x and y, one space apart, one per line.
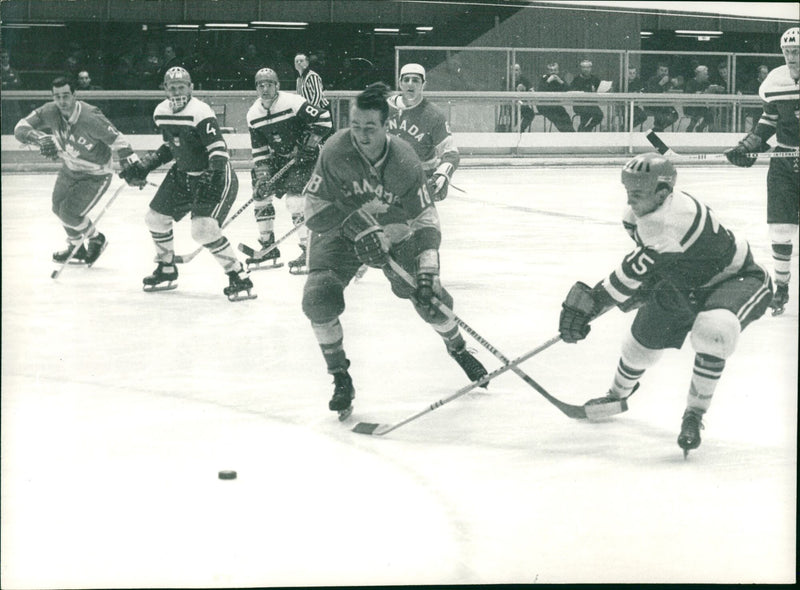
192 135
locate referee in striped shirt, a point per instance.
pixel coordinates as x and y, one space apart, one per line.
309 84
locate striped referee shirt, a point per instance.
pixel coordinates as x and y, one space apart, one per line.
309 86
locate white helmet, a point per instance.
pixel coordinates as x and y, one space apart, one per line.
267 92
179 77
791 38
647 171
412 69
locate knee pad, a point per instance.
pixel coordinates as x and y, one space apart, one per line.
295 204
782 233
205 230
323 297
715 332
157 222
637 356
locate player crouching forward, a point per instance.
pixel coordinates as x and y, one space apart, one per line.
201 182
367 201
687 274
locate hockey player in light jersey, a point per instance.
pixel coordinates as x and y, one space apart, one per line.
282 126
80 135
200 182
368 200
424 126
688 273
780 92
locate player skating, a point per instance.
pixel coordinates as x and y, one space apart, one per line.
687 274
282 126
780 93
200 182
83 138
367 200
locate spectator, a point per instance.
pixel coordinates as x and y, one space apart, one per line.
660 82
591 115
85 82
171 60
149 70
11 79
720 79
751 87
556 114
249 63
701 117
520 83
12 109
636 84
720 84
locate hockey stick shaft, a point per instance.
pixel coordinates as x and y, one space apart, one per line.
282 239
57 273
381 429
186 258
665 150
577 412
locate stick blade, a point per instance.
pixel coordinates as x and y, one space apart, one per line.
600 411
370 428
656 142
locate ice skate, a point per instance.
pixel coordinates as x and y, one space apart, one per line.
689 438
343 394
239 287
472 366
62 256
262 259
780 299
95 248
162 279
610 404
298 265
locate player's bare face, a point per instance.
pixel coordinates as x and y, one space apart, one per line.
267 91
643 201
64 99
792 57
411 88
368 131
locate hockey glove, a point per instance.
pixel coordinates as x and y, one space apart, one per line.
439 183
309 149
369 242
738 155
211 183
577 311
135 171
427 278
47 147
261 175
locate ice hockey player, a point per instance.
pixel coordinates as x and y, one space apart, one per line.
366 201
282 126
687 273
83 138
424 126
780 93
200 182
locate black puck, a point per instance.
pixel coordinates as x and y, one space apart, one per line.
227 474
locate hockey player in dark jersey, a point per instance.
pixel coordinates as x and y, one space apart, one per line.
200 182
424 126
687 274
366 201
780 92
83 138
282 126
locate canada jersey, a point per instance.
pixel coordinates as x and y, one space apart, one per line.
86 139
425 128
680 242
781 96
282 127
393 189
192 134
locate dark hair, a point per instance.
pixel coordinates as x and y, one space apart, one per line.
64 81
374 98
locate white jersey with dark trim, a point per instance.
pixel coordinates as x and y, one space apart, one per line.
681 242
192 134
781 95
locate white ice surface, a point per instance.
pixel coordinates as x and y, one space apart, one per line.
119 407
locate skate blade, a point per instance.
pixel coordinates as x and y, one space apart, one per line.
242 296
155 288
779 311
293 270
345 414
263 265
103 249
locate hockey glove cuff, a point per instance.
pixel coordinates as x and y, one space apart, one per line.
739 154
441 181
369 242
428 285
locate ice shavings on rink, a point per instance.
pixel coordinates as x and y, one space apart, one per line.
119 407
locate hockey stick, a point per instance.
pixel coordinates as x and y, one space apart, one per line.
57 273
186 258
665 150
381 429
250 251
577 412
